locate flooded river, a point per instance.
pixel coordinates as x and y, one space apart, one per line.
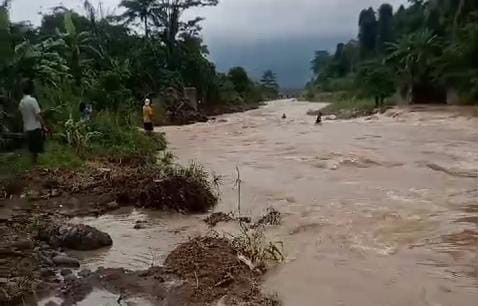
376 211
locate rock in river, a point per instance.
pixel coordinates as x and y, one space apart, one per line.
65 261
76 237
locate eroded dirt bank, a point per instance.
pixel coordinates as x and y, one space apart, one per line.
376 211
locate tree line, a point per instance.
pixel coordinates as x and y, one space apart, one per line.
116 60
423 50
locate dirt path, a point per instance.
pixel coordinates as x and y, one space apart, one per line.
376 210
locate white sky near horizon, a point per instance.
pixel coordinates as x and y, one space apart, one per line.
250 24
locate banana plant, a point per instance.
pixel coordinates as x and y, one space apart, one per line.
76 45
41 61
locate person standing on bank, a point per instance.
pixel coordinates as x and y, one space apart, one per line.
148 117
33 123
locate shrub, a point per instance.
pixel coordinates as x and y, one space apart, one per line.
57 155
120 138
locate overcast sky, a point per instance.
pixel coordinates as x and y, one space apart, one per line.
258 34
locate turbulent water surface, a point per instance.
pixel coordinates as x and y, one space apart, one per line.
376 211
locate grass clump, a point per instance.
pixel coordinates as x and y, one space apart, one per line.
57 155
346 109
252 243
120 138
188 189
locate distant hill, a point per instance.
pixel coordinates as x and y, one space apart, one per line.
288 57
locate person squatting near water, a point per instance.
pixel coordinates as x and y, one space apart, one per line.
148 115
33 124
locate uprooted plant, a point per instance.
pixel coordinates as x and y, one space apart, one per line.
253 245
272 217
78 135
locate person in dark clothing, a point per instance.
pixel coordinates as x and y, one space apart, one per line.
319 118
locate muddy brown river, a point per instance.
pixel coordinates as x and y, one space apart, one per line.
376 211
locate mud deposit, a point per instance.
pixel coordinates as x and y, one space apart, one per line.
38 238
375 211
198 272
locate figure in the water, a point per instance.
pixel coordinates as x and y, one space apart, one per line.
284 116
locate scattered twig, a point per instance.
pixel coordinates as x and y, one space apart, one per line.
238 184
197 279
225 281
152 257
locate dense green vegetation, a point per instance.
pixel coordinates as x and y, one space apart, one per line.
114 62
422 52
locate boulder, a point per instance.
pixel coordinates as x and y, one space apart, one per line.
76 237
65 272
65 261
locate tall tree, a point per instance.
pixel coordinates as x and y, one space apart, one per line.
385 26
321 59
269 83
6 47
168 19
352 54
340 62
416 57
240 79
139 9
367 31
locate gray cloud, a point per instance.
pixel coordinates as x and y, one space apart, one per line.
258 34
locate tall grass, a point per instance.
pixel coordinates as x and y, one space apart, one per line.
57 155
114 134
120 136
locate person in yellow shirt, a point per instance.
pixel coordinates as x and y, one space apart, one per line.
148 115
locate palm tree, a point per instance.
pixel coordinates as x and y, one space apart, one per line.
167 17
416 56
139 9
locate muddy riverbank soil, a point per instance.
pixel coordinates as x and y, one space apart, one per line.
36 207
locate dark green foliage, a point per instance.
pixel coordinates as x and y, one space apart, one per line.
320 62
376 79
367 32
240 79
385 26
430 47
269 85
340 63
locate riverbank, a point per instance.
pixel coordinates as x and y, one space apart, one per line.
42 242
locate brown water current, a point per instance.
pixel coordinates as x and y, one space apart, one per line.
376 211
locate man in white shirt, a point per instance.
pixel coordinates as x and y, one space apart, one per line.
33 123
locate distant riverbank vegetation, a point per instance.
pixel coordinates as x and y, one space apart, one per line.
114 61
424 52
